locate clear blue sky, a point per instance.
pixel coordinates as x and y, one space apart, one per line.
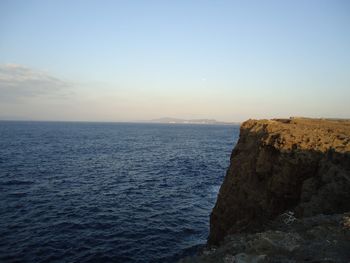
138 60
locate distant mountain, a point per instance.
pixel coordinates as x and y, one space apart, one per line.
191 121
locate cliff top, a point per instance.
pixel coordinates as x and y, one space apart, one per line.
304 133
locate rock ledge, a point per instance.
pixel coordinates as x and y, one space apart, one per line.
322 238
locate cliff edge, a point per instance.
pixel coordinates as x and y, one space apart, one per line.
298 165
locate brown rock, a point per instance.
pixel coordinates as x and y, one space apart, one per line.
294 164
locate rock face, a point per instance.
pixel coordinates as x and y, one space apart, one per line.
299 165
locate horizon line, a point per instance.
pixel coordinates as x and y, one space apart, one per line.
130 121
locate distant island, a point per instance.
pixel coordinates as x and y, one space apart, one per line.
191 121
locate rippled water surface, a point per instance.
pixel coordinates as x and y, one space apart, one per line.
99 192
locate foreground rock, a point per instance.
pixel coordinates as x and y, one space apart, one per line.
298 165
322 238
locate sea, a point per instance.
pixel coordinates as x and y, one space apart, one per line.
108 192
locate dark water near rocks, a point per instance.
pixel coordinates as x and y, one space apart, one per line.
99 192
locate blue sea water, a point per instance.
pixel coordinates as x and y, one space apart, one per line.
108 192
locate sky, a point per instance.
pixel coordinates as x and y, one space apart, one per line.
139 60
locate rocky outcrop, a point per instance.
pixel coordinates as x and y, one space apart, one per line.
298 165
321 238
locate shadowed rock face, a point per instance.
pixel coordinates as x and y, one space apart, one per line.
298 164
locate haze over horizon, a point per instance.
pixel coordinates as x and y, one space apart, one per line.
143 60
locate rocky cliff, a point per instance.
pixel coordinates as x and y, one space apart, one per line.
297 165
